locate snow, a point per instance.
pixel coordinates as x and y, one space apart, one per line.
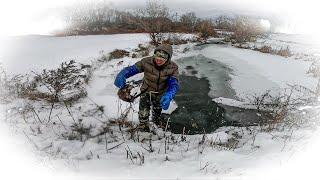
23 54
233 102
298 43
252 73
255 72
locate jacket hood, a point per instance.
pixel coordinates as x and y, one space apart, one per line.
165 47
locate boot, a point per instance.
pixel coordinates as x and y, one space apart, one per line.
160 123
144 127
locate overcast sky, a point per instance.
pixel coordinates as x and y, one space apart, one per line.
20 17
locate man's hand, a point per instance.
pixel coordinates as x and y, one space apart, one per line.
170 93
125 73
165 102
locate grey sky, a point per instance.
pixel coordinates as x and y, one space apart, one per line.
41 16
205 8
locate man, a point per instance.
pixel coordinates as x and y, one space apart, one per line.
159 87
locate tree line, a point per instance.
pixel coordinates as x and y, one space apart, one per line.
154 18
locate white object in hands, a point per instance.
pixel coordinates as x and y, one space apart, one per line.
172 107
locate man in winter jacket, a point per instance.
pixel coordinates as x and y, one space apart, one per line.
160 83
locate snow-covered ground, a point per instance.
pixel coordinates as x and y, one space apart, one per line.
229 152
23 54
297 43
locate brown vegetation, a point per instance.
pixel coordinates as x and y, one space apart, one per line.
205 29
156 19
285 52
118 53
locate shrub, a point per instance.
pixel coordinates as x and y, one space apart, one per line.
174 39
118 53
17 86
284 52
142 51
245 29
265 49
205 29
65 83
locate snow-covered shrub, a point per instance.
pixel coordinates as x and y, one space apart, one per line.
79 131
275 109
118 53
63 84
264 49
142 51
174 39
314 69
16 86
285 52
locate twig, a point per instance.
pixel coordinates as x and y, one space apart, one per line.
36 115
105 136
129 154
62 123
207 164
97 106
69 111
164 135
115 146
35 145
145 148
52 105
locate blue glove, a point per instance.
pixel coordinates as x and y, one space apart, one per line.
170 93
125 73
165 102
120 81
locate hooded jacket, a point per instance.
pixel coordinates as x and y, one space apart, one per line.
157 78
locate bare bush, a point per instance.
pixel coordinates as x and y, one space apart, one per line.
314 69
63 82
205 28
97 18
284 52
277 107
15 86
264 49
246 29
79 131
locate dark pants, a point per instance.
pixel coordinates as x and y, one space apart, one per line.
146 104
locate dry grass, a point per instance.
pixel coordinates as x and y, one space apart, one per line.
118 53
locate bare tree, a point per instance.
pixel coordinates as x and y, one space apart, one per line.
223 22
91 17
205 29
155 20
246 29
189 20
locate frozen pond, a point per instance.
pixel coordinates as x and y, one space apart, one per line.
197 113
